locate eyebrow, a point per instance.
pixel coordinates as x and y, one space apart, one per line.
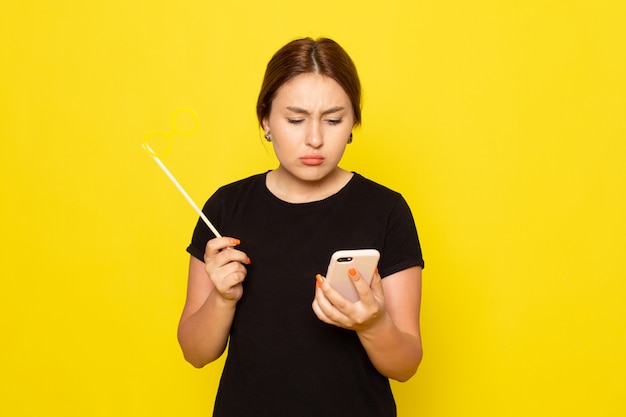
325 112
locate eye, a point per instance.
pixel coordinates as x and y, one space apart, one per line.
295 121
333 122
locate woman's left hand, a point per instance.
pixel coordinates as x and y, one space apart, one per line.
333 308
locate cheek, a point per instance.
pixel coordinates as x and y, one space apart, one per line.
339 135
336 147
283 143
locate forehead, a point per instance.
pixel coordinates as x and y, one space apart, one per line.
311 89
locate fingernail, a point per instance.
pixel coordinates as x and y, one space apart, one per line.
376 272
352 272
235 241
248 261
319 280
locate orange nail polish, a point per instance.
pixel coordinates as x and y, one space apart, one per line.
319 280
352 272
248 261
236 241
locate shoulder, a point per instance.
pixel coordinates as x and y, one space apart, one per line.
374 191
237 187
232 193
243 183
381 199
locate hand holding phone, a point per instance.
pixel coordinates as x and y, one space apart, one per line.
363 260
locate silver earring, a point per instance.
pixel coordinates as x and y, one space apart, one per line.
350 138
268 136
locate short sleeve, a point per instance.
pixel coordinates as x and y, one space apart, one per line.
202 234
402 246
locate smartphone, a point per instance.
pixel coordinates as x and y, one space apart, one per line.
363 260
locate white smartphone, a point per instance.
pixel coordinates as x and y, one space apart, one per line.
363 260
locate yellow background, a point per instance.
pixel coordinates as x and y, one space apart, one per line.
502 122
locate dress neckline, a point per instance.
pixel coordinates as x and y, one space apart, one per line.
309 204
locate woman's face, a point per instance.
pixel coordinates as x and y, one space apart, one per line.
310 121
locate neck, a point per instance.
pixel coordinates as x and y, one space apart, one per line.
296 190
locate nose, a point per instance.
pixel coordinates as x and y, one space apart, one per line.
314 136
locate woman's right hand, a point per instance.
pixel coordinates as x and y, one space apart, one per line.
213 290
225 267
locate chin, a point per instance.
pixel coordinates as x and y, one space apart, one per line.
314 174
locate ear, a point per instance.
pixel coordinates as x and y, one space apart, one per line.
265 124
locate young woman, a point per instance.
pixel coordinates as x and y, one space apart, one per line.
296 347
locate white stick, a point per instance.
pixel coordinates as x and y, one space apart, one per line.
184 193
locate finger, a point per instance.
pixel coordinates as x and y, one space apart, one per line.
377 285
362 288
319 299
323 311
332 296
332 312
215 250
233 273
319 312
216 245
229 278
231 255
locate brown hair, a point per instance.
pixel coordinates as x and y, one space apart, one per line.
303 56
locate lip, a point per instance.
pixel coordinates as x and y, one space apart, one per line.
312 160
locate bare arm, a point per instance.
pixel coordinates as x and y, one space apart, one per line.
213 290
394 342
386 319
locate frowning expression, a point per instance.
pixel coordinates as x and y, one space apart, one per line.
310 122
